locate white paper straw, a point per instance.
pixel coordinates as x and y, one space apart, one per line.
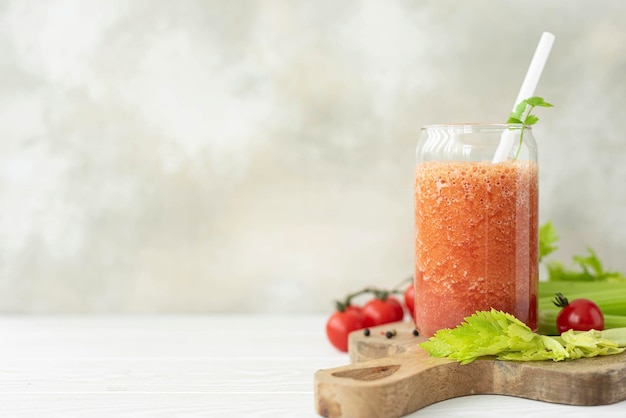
527 90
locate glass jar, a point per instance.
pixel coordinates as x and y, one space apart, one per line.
476 224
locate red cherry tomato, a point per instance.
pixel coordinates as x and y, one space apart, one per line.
409 299
382 311
340 324
355 309
579 315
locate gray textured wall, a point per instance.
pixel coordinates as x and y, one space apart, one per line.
254 156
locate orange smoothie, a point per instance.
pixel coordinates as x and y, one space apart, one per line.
476 236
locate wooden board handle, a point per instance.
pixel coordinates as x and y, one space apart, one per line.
393 386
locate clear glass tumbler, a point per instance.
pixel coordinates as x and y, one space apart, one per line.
476 224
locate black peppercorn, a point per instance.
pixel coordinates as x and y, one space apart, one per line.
366 332
390 334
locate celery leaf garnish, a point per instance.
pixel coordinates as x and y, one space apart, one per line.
496 333
522 116
522 113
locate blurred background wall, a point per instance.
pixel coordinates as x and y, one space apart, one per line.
257 156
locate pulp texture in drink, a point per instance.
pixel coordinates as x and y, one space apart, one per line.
476 242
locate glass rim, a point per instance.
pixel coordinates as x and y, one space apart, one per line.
485 125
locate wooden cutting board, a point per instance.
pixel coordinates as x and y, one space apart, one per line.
392 377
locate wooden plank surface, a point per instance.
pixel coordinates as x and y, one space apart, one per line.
192 366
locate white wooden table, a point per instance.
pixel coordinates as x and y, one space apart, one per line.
193 366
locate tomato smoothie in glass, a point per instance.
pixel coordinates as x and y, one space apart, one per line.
476 229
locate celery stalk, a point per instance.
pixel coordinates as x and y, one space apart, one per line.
617 335
609 296
613 292
547 322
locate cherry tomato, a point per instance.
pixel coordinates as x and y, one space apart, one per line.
380 311
355 309
409 299
342 323
579 315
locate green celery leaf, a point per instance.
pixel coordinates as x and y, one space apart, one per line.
522 114
547 239
520 109
530 120
496 333
557 271
589 262
536 101
591 269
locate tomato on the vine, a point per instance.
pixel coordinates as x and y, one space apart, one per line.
354 309
579 315
341 323
382 310
409 299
